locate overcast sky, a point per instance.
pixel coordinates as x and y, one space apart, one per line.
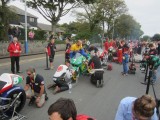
146 12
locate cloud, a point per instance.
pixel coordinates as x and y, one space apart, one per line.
146 12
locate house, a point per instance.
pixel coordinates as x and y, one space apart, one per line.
20 21
48 28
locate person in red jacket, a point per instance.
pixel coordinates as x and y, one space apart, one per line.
106 45
14 49
51 49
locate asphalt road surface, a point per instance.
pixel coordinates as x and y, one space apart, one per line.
100 103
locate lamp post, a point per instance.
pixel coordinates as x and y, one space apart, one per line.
113 30
26 42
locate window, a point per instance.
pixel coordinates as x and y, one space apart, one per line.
31 19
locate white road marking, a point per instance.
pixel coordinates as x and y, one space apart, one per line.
25 61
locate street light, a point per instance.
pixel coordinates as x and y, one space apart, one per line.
26 42
113 29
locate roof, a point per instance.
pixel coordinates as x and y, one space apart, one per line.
20 11
47 27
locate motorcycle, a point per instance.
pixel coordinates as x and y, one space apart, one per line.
112 54
12 96
79 66
102 54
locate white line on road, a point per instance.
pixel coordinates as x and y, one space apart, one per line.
25 61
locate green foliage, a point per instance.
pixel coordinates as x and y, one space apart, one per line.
156 37
111 10
53 10
83 35
6 15
127 27
145 38
59 42
93 15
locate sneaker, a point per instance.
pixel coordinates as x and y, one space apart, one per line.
32 100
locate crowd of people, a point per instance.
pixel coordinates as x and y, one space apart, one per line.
130 108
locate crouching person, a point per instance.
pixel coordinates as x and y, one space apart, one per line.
35 90
62 82
97 70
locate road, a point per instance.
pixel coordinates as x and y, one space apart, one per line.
100 103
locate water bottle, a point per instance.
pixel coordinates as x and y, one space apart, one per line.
70 87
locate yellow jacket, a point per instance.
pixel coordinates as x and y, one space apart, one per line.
75 47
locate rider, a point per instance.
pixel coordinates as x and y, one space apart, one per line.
35 90
77 47
92 47
62 84
95 63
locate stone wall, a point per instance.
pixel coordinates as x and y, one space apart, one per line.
34 47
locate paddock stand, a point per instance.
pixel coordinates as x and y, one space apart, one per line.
148 86
47 68
15 116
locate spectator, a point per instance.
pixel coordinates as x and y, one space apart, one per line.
10 34
67 51
52 36
131 108
35 90
158 48
77 47
106 44
121 44
125 60
46 36
51 49
14 49
31 35
16 32
65 109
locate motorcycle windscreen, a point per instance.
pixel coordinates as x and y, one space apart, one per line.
2 84
77 59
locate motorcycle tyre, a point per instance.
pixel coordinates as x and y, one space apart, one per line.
20 107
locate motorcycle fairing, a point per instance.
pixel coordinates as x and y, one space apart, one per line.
5 77
14 88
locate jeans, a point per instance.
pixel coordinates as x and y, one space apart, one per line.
82 52
153 77
125 68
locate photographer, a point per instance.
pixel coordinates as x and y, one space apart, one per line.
142 108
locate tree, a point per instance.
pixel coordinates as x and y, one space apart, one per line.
146 38
127 27
6 15
111 10
156 37
92 14
53 10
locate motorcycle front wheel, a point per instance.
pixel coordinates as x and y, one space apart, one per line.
19 103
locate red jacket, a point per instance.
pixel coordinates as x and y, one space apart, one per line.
106 45
13 47
83 117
